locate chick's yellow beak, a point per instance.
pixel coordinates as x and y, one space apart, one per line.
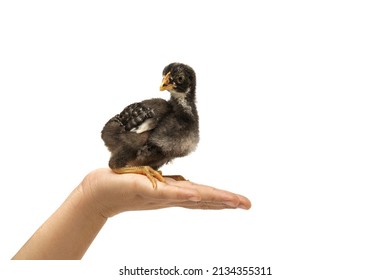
165 85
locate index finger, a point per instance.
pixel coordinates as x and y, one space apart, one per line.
213 195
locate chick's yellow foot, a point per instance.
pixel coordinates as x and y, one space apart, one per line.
149 172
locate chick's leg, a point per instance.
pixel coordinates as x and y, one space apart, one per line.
148 171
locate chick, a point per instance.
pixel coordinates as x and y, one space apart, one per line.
148 134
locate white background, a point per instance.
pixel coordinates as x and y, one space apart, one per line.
293 98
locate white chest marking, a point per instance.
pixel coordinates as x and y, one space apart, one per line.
180 97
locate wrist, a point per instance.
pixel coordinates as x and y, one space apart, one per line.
84 202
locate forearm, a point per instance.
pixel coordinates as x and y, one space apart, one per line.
68 233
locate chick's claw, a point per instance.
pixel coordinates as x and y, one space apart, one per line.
149 172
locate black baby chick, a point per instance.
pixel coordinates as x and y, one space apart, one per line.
148 134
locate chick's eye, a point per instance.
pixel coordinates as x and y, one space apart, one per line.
180 79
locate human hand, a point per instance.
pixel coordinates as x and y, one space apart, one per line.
110 194
70 230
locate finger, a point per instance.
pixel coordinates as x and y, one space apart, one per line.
245 203
205 205
211 194
174 191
